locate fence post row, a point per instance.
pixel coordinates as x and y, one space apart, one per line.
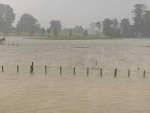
74 70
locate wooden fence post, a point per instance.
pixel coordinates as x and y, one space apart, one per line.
144 74
17 68
74 71
60 70
87 71
128 73
45 69
115 73
101 72
32 66
2 69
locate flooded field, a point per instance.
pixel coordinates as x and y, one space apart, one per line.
67 93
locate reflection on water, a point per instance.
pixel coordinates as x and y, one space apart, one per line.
53 93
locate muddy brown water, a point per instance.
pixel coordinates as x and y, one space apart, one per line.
67 93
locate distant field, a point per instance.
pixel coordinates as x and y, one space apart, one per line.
22 34
69 38
61 36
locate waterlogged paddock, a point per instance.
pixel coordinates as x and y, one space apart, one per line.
67 93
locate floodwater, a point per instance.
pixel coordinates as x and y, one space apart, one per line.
67 93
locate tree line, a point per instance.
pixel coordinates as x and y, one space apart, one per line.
140 27
109 27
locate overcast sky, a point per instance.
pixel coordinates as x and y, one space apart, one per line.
74 12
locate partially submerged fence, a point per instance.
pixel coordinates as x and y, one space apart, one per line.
74 70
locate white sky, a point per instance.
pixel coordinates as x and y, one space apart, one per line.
74 12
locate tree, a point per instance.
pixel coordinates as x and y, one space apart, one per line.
115 23
132 31
146 29
92 26
125 24
99 25
56 32
56 27
49 31
138 12
37 28
7 17
85 33
118 34
28 24
70 32
31 32
107 27
115 31
43 31
6 31
18 31
78 29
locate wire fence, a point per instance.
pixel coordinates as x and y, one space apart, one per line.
74 70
